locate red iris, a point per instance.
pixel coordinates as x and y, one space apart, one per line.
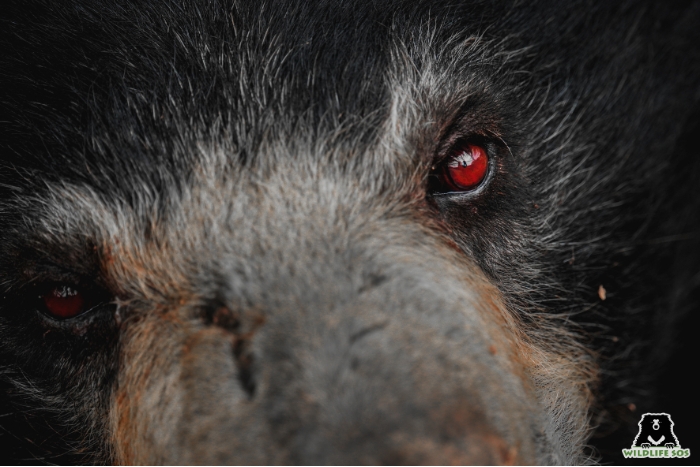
467 168
64 302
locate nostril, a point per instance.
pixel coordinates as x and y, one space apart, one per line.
242 327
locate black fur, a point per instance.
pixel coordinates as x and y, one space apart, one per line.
591 108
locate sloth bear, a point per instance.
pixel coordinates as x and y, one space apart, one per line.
656 429
349 232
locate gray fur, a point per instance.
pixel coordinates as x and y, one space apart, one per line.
284 287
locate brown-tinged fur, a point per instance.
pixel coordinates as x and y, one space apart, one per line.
249 201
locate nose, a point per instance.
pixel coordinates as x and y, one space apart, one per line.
388 379
413 371
385 393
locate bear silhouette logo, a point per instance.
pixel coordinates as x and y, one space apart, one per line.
656 439
656 430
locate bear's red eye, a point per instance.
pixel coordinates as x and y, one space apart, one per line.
64 302
466 168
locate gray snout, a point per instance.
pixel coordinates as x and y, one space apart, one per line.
396 376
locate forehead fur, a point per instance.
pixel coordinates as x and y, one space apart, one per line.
339 165
245 81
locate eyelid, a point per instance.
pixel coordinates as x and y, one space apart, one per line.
41 272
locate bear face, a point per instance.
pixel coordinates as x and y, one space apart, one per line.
338 232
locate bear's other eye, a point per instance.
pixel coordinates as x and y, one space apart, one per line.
463 170
64 302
